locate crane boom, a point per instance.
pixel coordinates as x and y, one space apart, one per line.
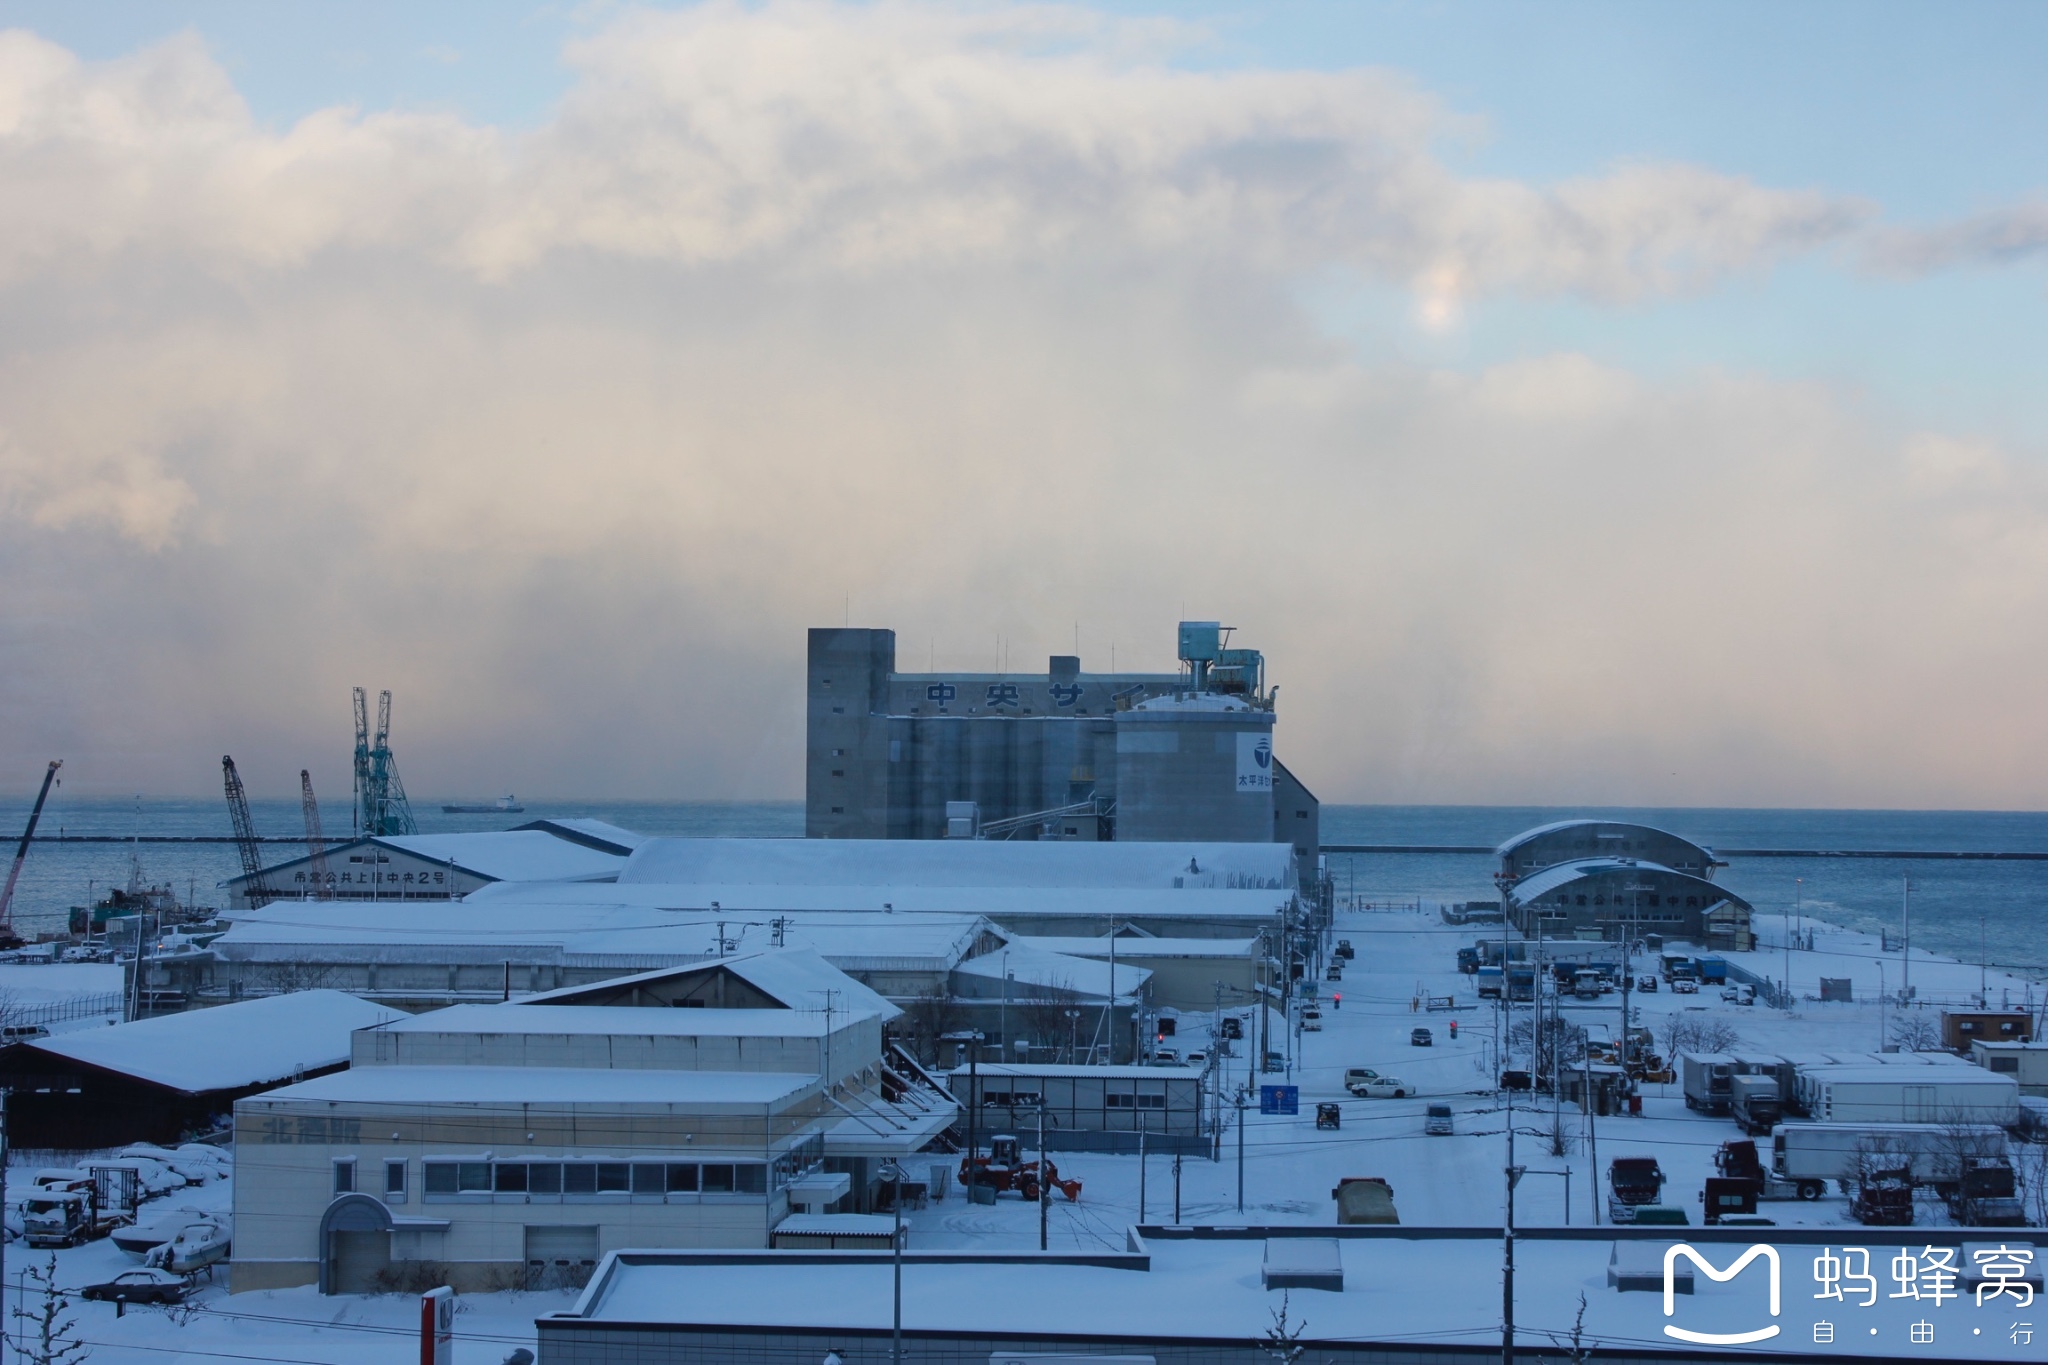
316 843
360 819
245 833
21 853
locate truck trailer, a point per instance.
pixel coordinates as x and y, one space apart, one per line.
1705 1076
1810 1154
1896 1094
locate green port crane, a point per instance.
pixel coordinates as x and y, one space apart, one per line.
381 807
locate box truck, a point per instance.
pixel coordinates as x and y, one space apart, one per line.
1755 1103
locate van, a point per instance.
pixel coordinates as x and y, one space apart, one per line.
1436 1121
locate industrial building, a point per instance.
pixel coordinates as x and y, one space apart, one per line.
416 867
1062 755
167 1079
1570 840
501 1146
1615 898
1089 1108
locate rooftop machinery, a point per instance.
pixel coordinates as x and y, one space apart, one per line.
381 807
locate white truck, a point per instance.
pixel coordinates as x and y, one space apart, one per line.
1906 1094
1755 1102
1705 1076
1810 1154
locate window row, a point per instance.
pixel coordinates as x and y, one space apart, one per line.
568 1179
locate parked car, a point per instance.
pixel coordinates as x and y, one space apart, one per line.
1684 985
1382 1088
1647 984
1421 1037
1437 1122
140 1286
1166 1056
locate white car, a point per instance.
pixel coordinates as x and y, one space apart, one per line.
1685 985
1381 1088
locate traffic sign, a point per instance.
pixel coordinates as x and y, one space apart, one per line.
1279 1099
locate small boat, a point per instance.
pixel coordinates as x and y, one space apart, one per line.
504 805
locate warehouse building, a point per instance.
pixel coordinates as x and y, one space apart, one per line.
1615 898
167 1079
1088 1108
505 1146
431 867
1062 755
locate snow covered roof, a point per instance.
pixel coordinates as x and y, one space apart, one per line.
514 855
1035 864
620 1021
1530 835
520 855
544 1085
1083 976
227 1047
1549 879
1235 907
797 978
1137 945
549 928
601 835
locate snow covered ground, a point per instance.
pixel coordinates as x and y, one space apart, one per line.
1289 1167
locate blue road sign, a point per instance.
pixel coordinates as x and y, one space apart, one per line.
1279 1099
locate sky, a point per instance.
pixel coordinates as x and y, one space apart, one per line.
1578 403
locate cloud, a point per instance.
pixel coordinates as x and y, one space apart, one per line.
2007 235
982 324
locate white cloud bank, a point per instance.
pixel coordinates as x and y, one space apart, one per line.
982 322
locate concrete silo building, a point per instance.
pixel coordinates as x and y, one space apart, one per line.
1063 754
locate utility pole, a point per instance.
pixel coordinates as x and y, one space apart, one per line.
1507 1247
1044 1178
1176 1191
1141 1168
3 1204
893 1173
1240 1150
1906 955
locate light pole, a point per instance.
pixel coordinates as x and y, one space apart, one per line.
972 1037
892 1176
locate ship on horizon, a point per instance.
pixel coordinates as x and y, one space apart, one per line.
508 804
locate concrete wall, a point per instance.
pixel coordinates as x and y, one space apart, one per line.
1179 776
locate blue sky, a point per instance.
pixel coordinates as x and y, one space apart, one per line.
1932 112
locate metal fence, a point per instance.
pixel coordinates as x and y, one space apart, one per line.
63 1011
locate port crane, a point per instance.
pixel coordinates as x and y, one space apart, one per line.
8 938
258 892
381 807
316 844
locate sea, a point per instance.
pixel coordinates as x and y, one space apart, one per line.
1990 911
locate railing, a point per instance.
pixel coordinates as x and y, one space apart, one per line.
63 1011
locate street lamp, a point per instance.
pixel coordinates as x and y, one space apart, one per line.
892 1176
973 1038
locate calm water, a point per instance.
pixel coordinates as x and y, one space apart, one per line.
1955 906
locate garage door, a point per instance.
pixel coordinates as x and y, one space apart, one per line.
560 1257
360 1259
